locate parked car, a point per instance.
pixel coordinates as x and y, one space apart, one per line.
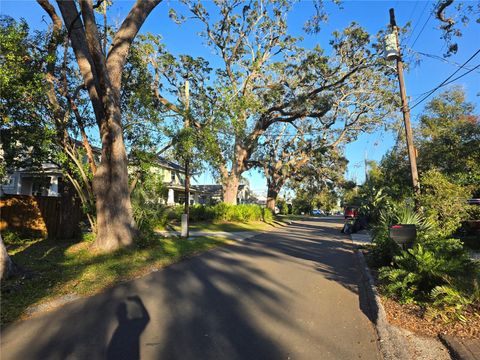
350 212
317 212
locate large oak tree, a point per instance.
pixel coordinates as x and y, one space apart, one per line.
102 78
265 77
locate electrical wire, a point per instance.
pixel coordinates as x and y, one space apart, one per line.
418 21
446 81
421 30
441 59
413 11
460 76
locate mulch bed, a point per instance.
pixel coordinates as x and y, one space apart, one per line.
412 317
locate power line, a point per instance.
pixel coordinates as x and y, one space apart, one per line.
455 79
418 21
444 82
413 10
423 28
460 76
441 59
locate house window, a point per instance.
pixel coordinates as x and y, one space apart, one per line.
40 186
172 177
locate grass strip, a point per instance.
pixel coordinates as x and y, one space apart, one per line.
54 269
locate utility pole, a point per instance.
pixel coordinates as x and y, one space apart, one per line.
405 109
366 166
186 119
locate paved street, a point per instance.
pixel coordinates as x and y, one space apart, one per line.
288 294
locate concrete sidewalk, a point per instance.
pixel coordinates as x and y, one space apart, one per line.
236 235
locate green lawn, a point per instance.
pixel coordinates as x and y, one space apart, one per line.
231 226
54 268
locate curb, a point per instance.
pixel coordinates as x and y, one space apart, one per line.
458 349
391 343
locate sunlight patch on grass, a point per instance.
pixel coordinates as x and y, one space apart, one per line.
231 226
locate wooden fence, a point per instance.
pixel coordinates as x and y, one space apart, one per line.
55 217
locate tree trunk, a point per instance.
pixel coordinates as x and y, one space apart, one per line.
115 223
272 195
230 189
102 75
273 189
7 266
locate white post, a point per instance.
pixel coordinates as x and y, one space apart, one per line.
171 197
184 231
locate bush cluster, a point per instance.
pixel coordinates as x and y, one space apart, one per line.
224 212
153 215
435 271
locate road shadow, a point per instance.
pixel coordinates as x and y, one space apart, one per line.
330 251
132 320
206 307
193 306
207 317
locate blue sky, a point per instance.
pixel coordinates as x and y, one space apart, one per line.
372 15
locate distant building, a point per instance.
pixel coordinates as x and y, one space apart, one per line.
38 182
174 179
214 194
45 181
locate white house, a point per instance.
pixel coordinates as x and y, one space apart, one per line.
45 182
41 182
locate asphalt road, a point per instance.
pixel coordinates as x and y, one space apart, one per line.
289 294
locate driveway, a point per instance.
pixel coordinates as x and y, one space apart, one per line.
288 294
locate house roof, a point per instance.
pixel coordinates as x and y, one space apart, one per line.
79 143
209 188
169 164
44 169
215 188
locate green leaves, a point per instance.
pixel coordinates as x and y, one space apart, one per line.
450 137
419 270
444 203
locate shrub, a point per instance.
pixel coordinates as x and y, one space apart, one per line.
147 199
175 213
386 248
406 215
473 212
443 203
448 303
244 213
417 271
201 213
283 206
267 215
222 212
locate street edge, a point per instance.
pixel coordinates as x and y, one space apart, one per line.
456 348
391 344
